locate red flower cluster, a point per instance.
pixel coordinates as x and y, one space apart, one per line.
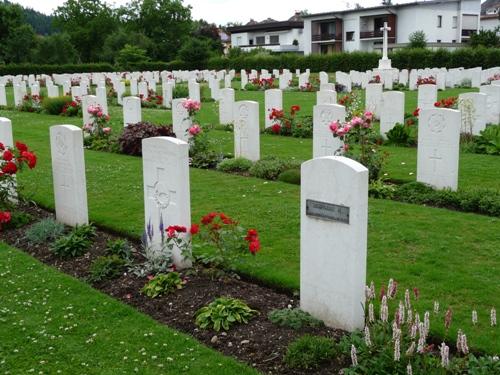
13 162
70 108
450 102
276 128
276 114
4 218
252 238
375 79
294 109
212 216
346 100
264 83
426 81
416 112
172 230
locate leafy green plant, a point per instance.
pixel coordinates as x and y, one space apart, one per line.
180 91
163 284
121 248
291 176
75 243
293 318
44 231
18 220
381 190
399 135
106 267
309 352
54 106
271 167
222 313
488 141
235 165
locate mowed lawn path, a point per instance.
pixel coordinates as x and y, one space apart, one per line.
51 323
450 256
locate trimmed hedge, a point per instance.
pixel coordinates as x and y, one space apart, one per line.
346 61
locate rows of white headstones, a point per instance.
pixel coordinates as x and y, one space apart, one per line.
333 214
438 142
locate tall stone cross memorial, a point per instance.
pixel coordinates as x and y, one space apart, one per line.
385 63
166 191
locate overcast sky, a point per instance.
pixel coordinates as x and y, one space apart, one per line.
224 11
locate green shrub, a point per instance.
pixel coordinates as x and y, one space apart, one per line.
222 313
309 352
75 243
291 176
378 189
236 165
163 284
271 167
400 135
303 128
25 69
121 248
106 267
482 201
54 106
293 318
180 91
488 142
44 231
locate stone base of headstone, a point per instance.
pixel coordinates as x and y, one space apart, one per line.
384 64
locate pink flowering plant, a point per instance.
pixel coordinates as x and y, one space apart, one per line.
397 338
98 127
360 142
192 107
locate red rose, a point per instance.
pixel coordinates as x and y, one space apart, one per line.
207 219
9 168
21 147
7 155
2 147
294 109
4 217
437 104
195 229
276 128
254 246
30 159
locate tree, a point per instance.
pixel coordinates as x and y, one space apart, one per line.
55 49
116 41
417 39
209 32
20 45
87 22
131 55
486 38
11 17
195 53
167 22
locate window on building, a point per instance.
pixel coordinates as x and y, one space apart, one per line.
440 21
438 41
454 41
454 22
260 40
250 42
274 39
349 36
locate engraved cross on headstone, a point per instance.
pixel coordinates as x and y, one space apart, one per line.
435 158
243 136
161 196
385 30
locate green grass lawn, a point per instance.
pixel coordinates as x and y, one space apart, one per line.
452 257
51 323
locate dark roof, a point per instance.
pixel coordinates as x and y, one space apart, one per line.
379 7
489 4
269 24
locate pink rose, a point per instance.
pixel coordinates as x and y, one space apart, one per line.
106 130
334 126
194 130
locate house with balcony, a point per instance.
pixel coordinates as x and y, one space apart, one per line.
446 24
490 15
276 36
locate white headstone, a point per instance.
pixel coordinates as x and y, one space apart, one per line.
6 137
373 98
133 87
194 90
88 100
143 90
52 91
327 86
35 89
323 78
392 111
168 92
226 106
333 240
438 147
18 95
76 93
102 99
244 79
180 119
324 144
427 96
68 171
246 130
492 103
3 96
228 82
326 97
472 106
131 110
166 190
273 99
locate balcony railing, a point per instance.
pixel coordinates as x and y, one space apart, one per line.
321 37
371 34
468 33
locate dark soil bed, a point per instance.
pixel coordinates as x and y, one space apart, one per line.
260 343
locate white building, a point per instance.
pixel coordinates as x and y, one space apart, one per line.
490 15
276 36
446 23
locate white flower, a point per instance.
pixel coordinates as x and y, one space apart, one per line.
371 314
493 317
409 370
354 357
397 351
445 352
474 317
407 299
384 310
436 307
411 349
368 340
